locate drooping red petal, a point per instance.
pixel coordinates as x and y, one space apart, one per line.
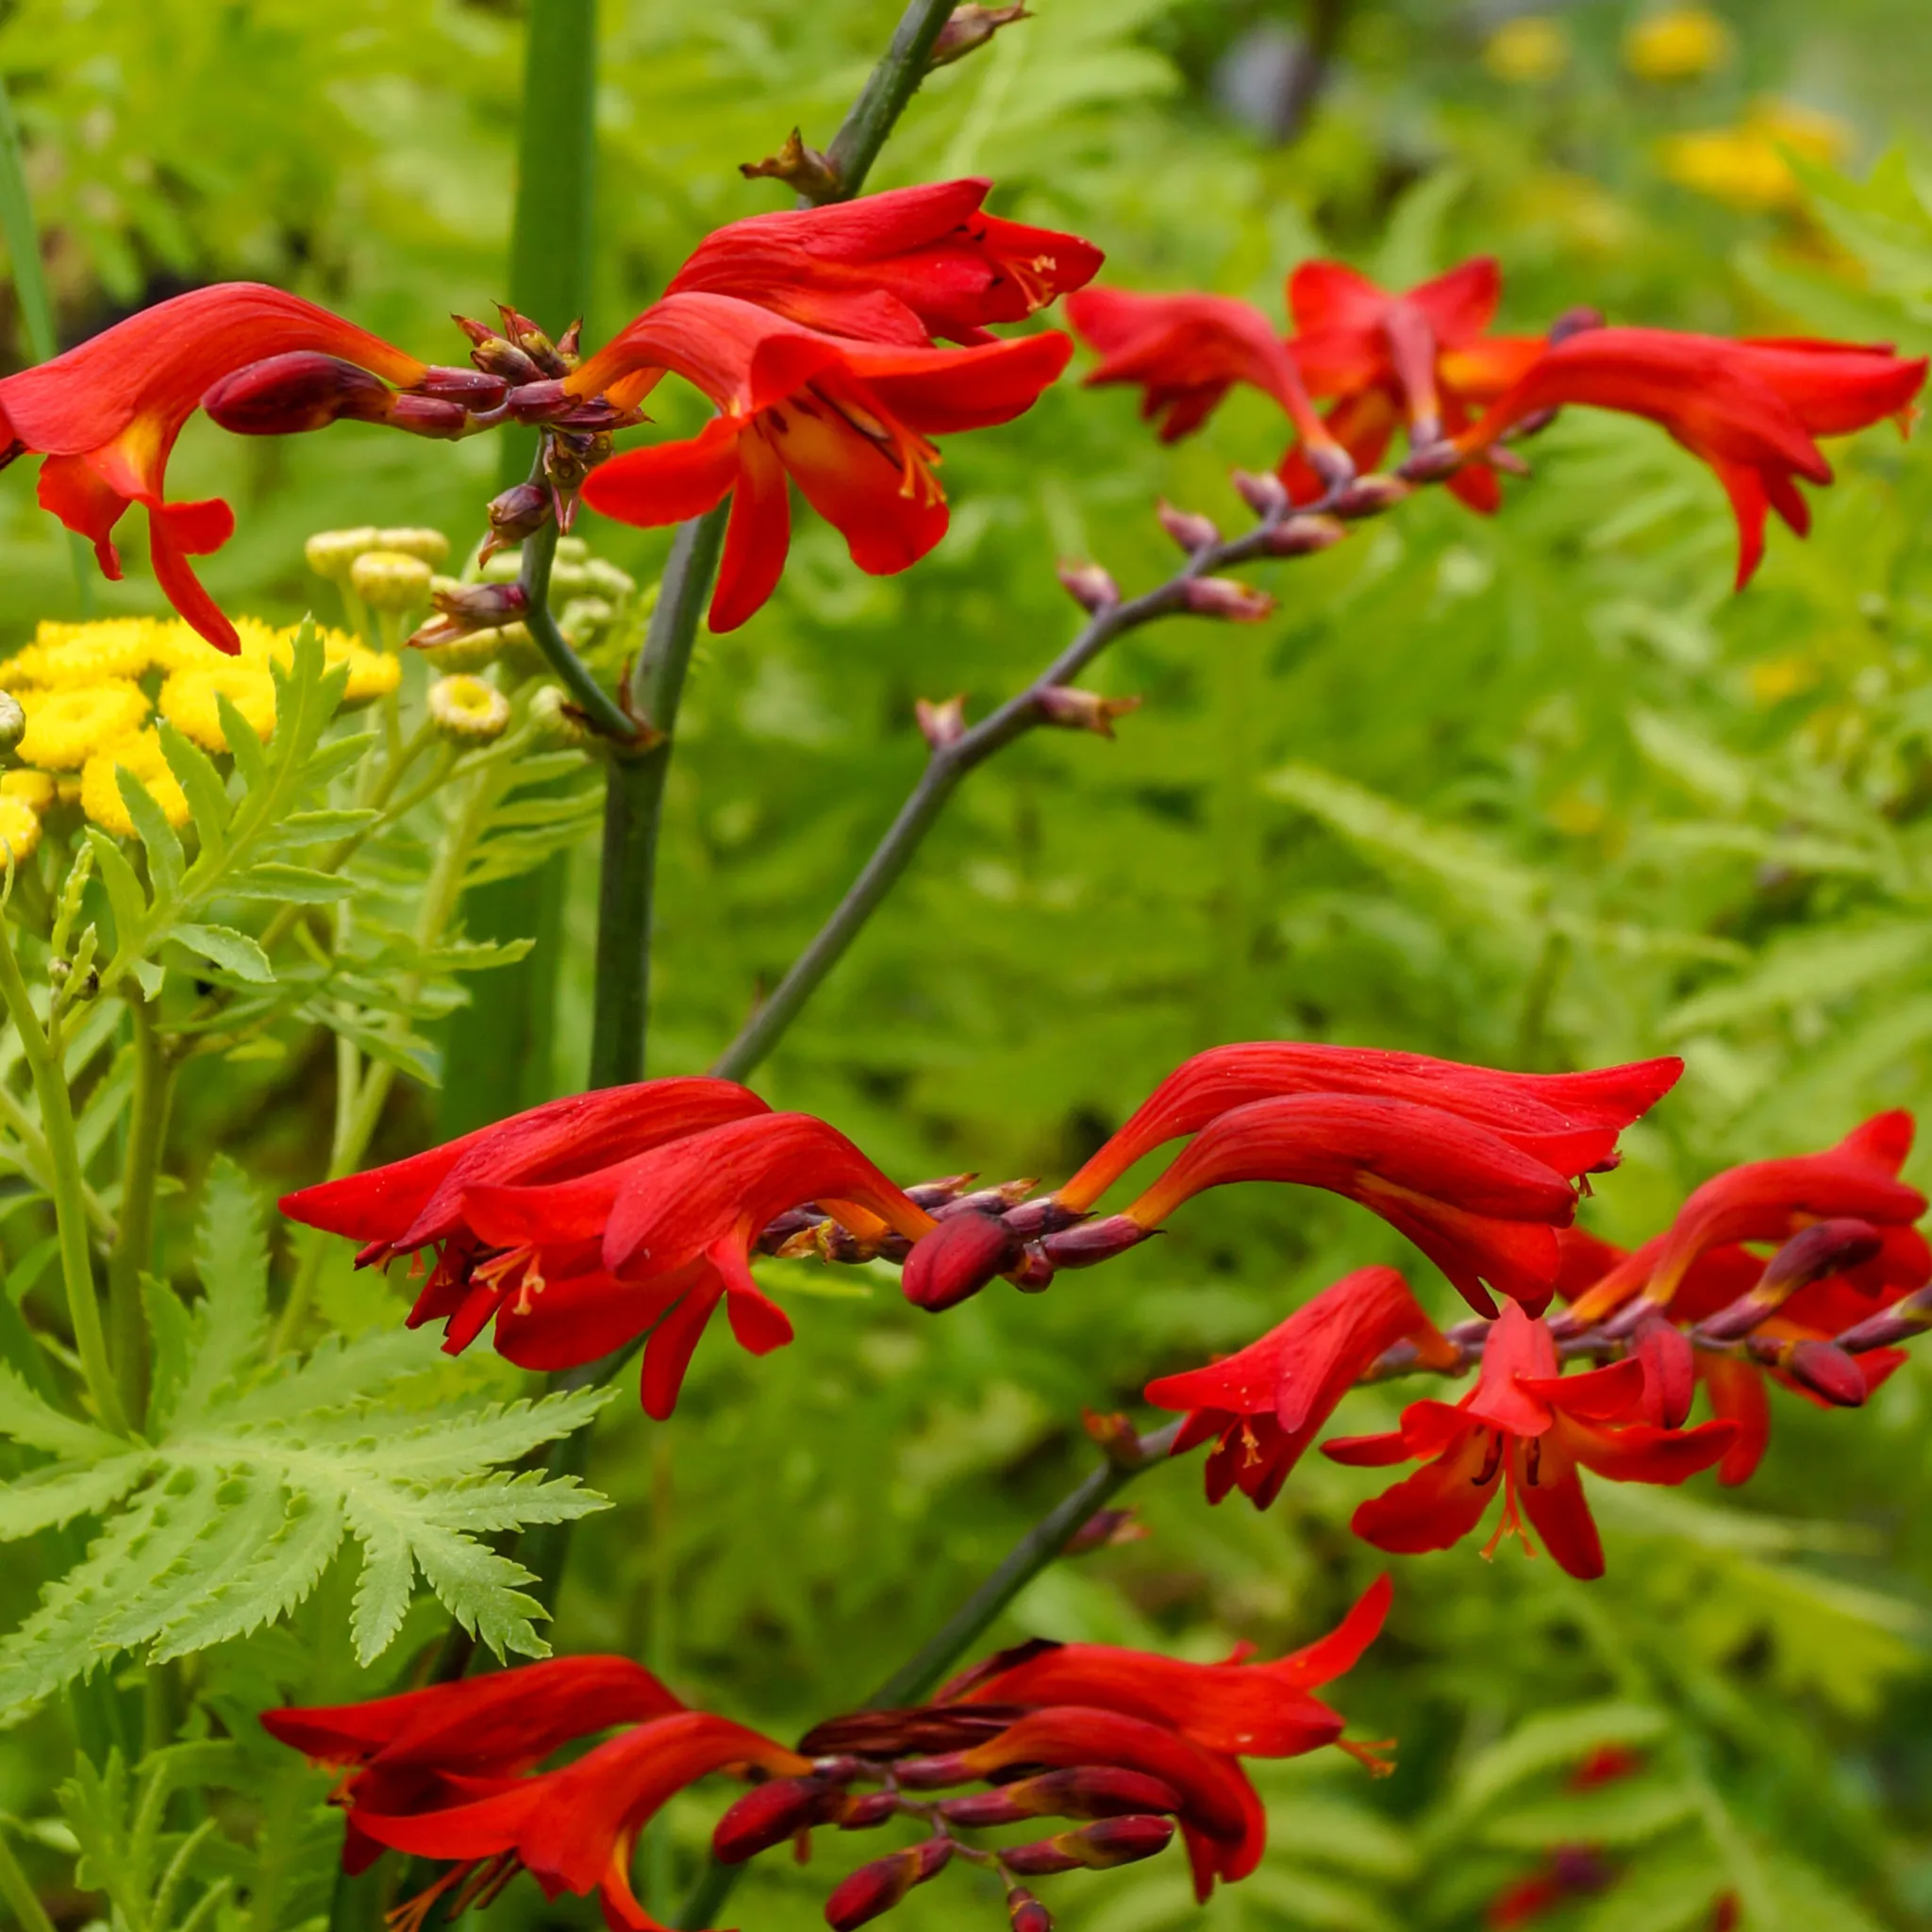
1550 1493
757 538
668 482
1738 1396
176 532
1437 1507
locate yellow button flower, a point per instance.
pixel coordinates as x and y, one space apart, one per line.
66 655
392 580
1745 166
1528 50
432 546
35 788
65 728
190 700
468 708
141 755
20 827
1681 43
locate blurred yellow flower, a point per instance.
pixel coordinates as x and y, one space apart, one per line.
20 827
140 754
1745 167
190 700
64 655
1679 44
1775 679
65 728
37 788
1528 50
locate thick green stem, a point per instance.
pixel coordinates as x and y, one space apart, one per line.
69 1208
140 1169
889 86
633 806
922 1672
605 716
19 1893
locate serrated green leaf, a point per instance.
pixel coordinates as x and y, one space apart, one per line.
201 785
45 1498
235 952
287 884
243 745
126 899
26 1418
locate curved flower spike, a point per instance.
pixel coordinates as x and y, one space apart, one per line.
1750 410
106 415
902 267
1569 1121
1267 1403
1479 1208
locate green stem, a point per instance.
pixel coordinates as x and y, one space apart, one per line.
18 1892
922 1672
69 1208
633 808
147 1128
605 714
889 86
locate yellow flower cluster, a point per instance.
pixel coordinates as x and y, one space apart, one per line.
1679 44
89 690
1745 166
1528 50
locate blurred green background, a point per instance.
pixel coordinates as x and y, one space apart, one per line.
1537 791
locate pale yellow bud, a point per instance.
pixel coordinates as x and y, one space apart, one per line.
390 580
331 553
468 708
573 550
551 715
12 722
471 653
607 580
432 546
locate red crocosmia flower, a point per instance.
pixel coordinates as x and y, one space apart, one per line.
1267 1403
105 414
1768 1201
1238 1709
1569 1121
1524 1427
902 267
1186 352
657 1241
847 421
1750 410
1479 1208
414 1751
573 1829
1422 359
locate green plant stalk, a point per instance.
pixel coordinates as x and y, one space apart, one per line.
889 87
605 716
19 1894
26 1131
922 1672
141 1171
70 1208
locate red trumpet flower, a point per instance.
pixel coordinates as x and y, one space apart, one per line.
1186 352
900 267
1750 410
1569 1121
848 420
420 1749
1266 1404
1422 359
1524 1427
1478 1207
573 1829
106 415
657 1241
1238 1709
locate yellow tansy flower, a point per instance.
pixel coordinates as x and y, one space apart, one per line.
141 755
190 700
65 728
1744 167
1680 44
35 788
1528 50
20 828
68 655
468 708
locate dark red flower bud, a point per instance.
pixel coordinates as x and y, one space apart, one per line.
1093 1240
531 340
868 1810
769 1813
1074 709
1369 496
1899 1322
428 416
305 390
1032 1273
956 1259
1826 1247
1301 536
941 723
932 1773
1111 1841
1105 1529
538 402
1091 588
1264 493
1670 1373
1085 1790
1043 1216
476 389
1225 597
879 1887
1188 528
469 607
1027 1913
1822 1367
516 513
495 355
972 27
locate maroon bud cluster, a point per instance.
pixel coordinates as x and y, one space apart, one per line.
469 607
1097 1847
879 1887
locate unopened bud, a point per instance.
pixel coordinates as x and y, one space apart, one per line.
1899 1323
867 1812
769 1813
467 709
1573 322
1031 1219
553 716
514 514
1074 709
330 553
476 390
1432 461
465 607
532 340
1369 496
798 166
1263 491
956 1259
879 1887
495 355
570 344
1105 1529
1090 585
1093 1240
1302 536
1188 528
1670 1373
285 395
1032 1273
972 27
1025 1911
1083 1791
414 539
12 722
390 580
941 723
1114 1435
1097 1847
1823 1248
1224 597
932 1194
536 401
1331 463
932 1773
1822 1367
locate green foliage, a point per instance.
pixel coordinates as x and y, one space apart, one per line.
253 1472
